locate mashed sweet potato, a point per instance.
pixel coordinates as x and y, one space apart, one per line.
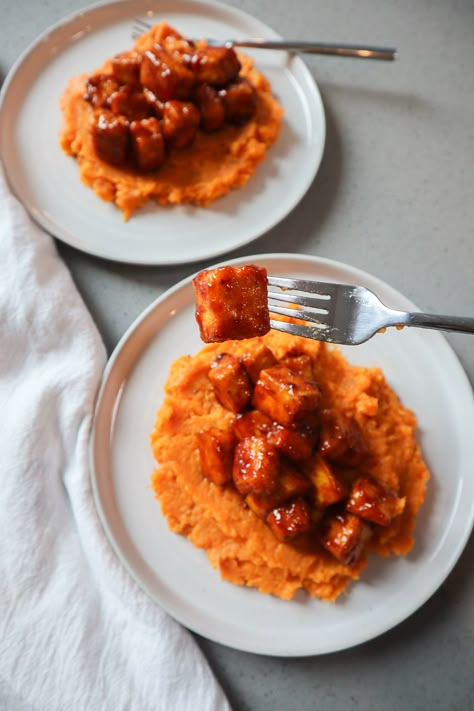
217 519
213 165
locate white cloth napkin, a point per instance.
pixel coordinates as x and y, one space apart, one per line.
76 632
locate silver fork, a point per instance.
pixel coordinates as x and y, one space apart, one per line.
347 315
340 50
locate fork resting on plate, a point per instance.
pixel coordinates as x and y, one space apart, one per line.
341 50
347 315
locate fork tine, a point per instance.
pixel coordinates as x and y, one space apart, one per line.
142 23
321 288
139 27
318 333
319 303
317 318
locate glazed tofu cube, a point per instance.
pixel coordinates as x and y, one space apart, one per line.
291 484
345 536
211 107
252 424
295 441
372 501
132 104
261 505
216 450
240 101
341 439
301 364
148 144
231 303
290 520
126 67
285 395
99 90
215 65
256 360
256 466
111 138
166 76
179 123
328 488
230 382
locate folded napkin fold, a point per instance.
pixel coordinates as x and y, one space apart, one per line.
76 632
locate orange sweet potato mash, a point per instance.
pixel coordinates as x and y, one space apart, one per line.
216 518
212 166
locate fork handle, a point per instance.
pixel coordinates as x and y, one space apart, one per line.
340 50
464 324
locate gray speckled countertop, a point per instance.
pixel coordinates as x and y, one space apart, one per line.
393 196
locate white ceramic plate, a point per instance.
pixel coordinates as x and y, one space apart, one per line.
422 368
48 183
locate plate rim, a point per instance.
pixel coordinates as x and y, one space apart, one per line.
299 71
418 600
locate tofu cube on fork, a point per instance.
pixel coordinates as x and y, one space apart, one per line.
231 303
